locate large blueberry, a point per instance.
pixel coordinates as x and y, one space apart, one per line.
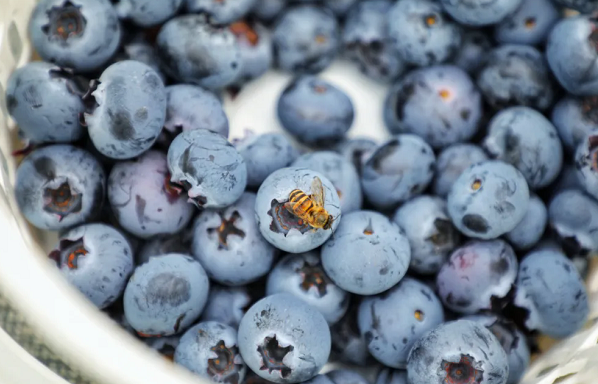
283 339
393 321
529 24
293 227
226 305
574 118
477 276
208 167
480 12
452 161
228 243
368 254
530 230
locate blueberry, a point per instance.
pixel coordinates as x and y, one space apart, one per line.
480 12
97 260
422 33
458 352
306 39
537 153
530 230
130 110
190 107
193 51
551 290
574 118
452 161
475 45
346 376
255 45
586 164
356 150
393 321
78 34
221 12
143 200
477 276
265 154
45 102
572 50
512 340
165 346
391 376
147 13
314 111
284 229
302 276
398 170
226 305
229 246
348 345
267 10
340 172
166 295
210 350
368 254
208 167
516 75
162 245
583 6
429 230
59 186
440 104
489 199
573 216
367 42
283 339
141 50
529 24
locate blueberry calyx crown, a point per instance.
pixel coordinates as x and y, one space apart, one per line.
313 276
223 366
65 21
227 228
283 220
272 356
463 372
69 252
62 201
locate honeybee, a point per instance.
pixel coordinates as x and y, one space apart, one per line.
310 208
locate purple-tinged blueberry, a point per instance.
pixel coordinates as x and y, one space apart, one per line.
530 230
452 161
226 305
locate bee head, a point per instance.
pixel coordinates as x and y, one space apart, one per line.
328 222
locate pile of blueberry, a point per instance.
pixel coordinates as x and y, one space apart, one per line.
438 256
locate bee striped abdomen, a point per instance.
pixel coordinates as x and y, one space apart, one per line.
302 203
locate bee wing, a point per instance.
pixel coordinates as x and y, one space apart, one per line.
317 191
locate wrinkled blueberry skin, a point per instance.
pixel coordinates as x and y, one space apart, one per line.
516 75
429 230
479 12
356 150
267 10
475 45
340 172
195 52
451 341
497 205
290 276
294 324
197 349
226 305
102 273
583 6
256 56
190 107
393 321
574 118
536 152
208 166
50 167
391 376
147 13
476 274
243 257
550 288
162 245
166 295
573 215
140 50
398 170
276 188
529 24
221 12
367 42
530 230
45 103
572 56
314 111
85 51
141 202
586 164
306 39
440 104
452 161
512 340
348 345
368 254
130 112
420 40
265 154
